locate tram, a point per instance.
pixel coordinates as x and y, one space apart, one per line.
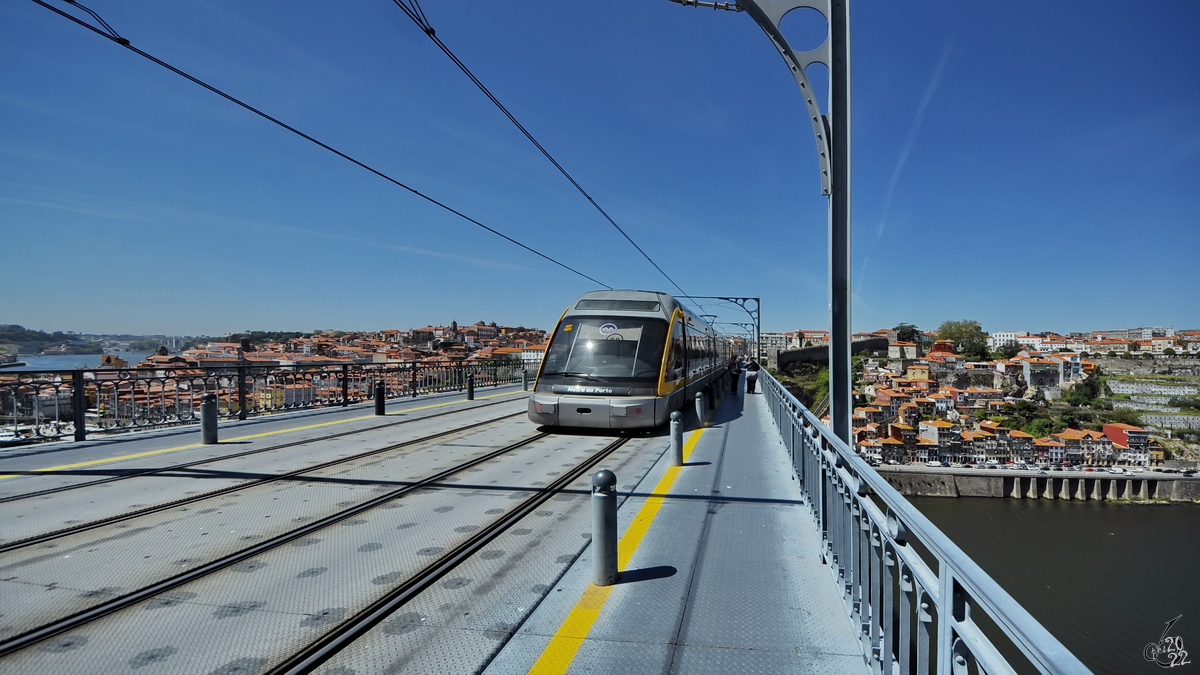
625 360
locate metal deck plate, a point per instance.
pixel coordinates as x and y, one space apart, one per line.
727 580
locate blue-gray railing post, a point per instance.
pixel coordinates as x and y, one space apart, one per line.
413 382
78 405
241 392
604 528
208 419
345 385
676 439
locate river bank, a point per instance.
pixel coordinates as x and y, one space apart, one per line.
1147 487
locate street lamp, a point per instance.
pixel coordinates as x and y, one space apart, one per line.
832 132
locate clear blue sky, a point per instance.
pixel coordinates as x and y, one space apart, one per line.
1031 165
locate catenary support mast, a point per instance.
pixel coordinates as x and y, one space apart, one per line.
832 132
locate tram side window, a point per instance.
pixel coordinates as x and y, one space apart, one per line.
675 356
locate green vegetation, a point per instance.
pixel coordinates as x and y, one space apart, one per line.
808 382
1007 350
906 332
258 337
14 338
968 338
1085 393
1042 420
1187 404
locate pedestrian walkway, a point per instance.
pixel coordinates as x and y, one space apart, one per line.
720 572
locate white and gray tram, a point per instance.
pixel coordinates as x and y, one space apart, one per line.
625 360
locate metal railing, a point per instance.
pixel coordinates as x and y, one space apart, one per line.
56 404
913 616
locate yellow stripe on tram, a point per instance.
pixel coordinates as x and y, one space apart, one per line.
559 653
150 453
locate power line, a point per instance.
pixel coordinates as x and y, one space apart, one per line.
111 34
418 16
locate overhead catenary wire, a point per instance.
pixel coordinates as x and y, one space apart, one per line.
415 13
111 34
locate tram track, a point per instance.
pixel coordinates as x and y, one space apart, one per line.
316 653
166 506
236 455
94 613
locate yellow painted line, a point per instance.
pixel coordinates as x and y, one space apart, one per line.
150 453
569 637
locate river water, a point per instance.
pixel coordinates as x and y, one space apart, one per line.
70 361
1104 578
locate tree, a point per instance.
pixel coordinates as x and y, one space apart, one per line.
1043 426
1007 350
906 332
968 338
1169 351
1068 418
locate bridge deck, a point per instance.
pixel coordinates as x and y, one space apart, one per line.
726 578
720 568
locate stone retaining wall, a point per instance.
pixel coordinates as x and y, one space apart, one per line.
1079 486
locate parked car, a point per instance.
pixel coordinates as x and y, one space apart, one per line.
933 463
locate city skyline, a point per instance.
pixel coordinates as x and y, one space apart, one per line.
1006 170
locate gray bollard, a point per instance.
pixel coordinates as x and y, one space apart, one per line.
676 439
604 528
700 408
471 387
380 396
524 379
208 419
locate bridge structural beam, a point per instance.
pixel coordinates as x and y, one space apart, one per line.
753 311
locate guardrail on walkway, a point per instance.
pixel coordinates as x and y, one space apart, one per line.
55 404
945 617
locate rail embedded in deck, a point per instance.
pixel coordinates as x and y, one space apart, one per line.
908 613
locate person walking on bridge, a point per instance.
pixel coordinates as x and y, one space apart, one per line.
752 369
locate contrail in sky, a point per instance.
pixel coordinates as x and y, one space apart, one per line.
911 140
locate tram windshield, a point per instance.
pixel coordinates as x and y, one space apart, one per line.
608 349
